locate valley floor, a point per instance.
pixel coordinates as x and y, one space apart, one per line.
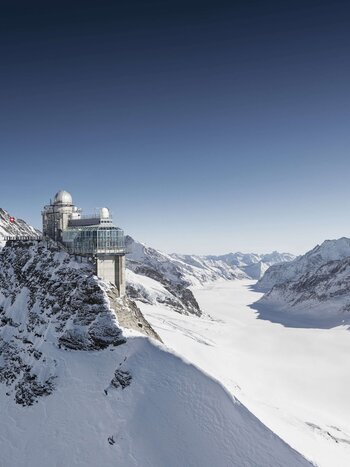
296 381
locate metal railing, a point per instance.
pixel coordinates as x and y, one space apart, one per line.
21 238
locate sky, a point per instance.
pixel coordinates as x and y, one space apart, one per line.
206 127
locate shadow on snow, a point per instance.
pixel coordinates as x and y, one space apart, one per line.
292 318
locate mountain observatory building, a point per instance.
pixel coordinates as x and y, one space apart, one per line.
92 236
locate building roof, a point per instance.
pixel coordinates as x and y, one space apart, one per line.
63 197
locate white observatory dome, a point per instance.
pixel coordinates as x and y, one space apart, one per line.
63 197
104 213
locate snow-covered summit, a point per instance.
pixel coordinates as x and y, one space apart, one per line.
329 250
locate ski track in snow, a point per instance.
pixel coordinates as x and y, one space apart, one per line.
295 380
176 326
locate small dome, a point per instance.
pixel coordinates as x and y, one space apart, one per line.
63 197
104 213
75 215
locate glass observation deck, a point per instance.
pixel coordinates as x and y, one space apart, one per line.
94 240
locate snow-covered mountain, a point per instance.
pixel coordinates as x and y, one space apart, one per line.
16 227
232 265
77 389
318 298
169 277
252 264
314 288
329 250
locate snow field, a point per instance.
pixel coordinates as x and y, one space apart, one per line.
295 380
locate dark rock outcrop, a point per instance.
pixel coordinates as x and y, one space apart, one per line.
43 291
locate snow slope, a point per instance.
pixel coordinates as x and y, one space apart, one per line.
170 415
77 391
295 380
329 250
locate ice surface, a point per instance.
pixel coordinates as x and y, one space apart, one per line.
297 381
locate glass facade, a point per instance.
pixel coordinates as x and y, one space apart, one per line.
93 240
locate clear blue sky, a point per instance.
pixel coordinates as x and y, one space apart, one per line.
206 127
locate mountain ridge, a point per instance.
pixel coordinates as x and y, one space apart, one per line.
172 275
312 291
329 250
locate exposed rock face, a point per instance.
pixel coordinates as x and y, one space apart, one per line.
146 261
122 379
43 291
129 315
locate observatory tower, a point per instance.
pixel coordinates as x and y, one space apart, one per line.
57 214
94 237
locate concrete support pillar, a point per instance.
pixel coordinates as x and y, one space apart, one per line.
120 274
111 268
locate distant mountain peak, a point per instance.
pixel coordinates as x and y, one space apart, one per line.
313 288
